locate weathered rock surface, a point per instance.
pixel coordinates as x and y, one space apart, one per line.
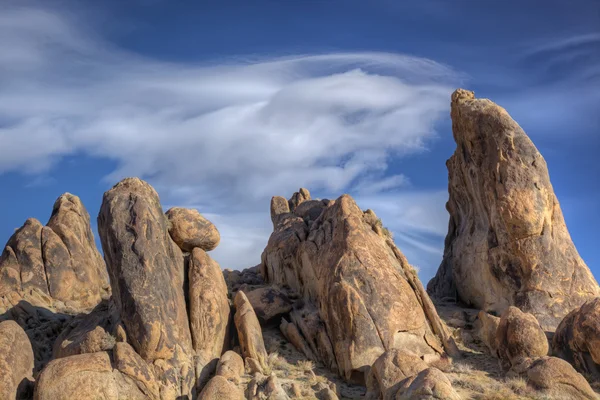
507 242
559 379
519 337
16 361
269 303
220 388
231 366
85 376
147 278
367 297
190 230
293 335
390 370
429 384
208 306
249 331
262 387
60 260
488 326
577 338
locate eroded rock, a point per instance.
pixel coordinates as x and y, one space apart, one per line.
220 388
249 331
189 230
390 370
558 378
16 361
269 304
429 384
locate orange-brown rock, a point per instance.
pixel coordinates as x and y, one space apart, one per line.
429 384
231 366
189 229
577 338
147 276
59 260
390 370
366 295
16 361
488 326
519 336
507 242
249 330
269 303
558 379
219 388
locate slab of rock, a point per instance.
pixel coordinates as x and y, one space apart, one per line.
249 331
220 388
507 242
559 379
189 229
519 336
577 338
85 376
147 277
366 295
269 304
293 335
429 384
262 387
488 326
390 370
231 366
131 365
60 259
16 361
209 306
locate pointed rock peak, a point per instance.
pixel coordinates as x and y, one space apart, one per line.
298 197
134 185
507 242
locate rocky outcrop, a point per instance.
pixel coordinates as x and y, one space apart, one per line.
507 242
190 230
366 296
390 370
519 337
147 277
429 384
231 366
488 326
269 304
220 388
59 260
577 338
249 331
16 361
559 379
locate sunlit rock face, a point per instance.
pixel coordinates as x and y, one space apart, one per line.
507 242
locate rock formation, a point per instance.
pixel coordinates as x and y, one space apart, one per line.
390 370
559 379
577 338
365 296
190 230
16 361
428 384
249 331
147 276
507 242
59 261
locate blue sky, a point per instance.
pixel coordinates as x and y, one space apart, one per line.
221 105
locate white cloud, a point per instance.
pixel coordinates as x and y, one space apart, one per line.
223 136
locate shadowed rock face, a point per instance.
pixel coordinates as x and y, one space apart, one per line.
366 296
577 338
507 241
59 260
146 269
16 360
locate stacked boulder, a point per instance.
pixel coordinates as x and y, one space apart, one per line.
359 296
507 242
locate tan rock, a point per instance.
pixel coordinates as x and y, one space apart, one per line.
269 304
507 241
559 379
519 336
60 259
208 306
429 384
130 364
389 370
220 388
269 388
293 335
231 366
16 361
249 330
577 338
189 229
147 277
368 298
488 326
298 198
84 376
279 206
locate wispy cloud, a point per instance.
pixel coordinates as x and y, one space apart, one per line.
222 136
